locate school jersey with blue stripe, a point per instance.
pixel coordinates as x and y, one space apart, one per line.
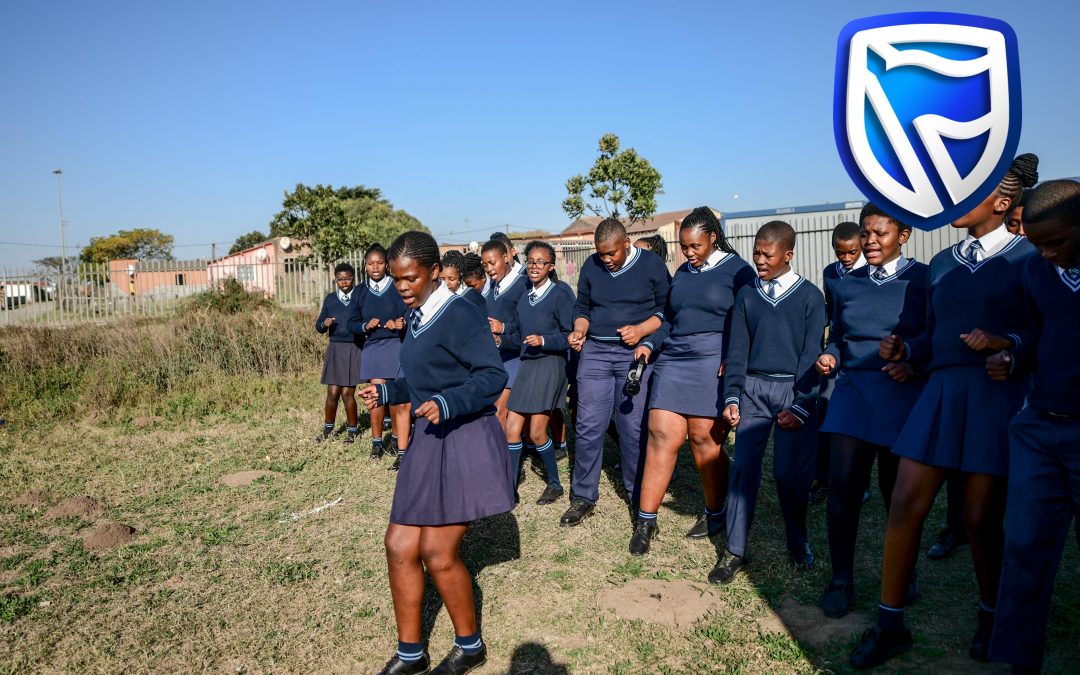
341 330
385 306
551 316
503 307
477 298
700 299
629 296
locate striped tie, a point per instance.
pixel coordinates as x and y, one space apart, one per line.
416 316
770 290
880 274
972 255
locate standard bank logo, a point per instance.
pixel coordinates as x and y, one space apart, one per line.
926 111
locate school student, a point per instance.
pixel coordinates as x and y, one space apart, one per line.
382 319
655 243
514 260
1044 438
455 471
341 362
473 277
620 305
770 382
872 396
502 297
686 391
545 316
1014 219
960 421
453 265
848 251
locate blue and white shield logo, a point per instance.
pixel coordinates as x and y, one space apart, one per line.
926 111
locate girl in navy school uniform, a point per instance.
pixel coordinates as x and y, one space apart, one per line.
455 267
382 317
455 471
960 422
872 397
698 308
472 275
545 316
341 362
505 289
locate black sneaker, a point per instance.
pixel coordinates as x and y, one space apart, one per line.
326 433
396 465
802 560
579 510
457 662
551 494
726 568
376 451
561 453
838 599
392 451
701 528
980 644
945 546
351 436
879 645
396 666
644 531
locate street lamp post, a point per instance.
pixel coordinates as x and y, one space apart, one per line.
63 223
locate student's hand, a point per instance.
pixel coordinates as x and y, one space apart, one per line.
534 340
978 340
396 324
720 373
576 340
328 321
632 335
498 340
370 396
497 327
891 348
374 323
825 364
642 350
999 366
788 420
900 372
429 410
731 415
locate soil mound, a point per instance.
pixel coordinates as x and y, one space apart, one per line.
75 507
672 603
31 498
108 535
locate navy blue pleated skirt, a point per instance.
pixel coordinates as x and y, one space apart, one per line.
870 405
684 377
541 385
341 364
381 360
454 472
961 421
512 363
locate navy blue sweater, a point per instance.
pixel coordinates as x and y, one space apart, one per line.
504 309
385 307
867 310
477 298
777 340
989 295
700 300
1048 343
551 317
830 277
611 300
451 360
341 330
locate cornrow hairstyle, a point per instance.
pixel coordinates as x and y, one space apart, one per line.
873 210
375 248
1020 201
845 231
420 246
454 259
1054 200
1022 173
657 245
777 231
494 245
704 220
505 239
474 267
609 229
344 267
535 244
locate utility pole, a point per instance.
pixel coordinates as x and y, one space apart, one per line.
63 223
213 250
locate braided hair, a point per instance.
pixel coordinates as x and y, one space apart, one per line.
505 239
473 267
704 220
375 248
656 244
420 246
532 245
454 259
1022 173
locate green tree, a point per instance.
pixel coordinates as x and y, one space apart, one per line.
140 244
55 263
245 241
620 185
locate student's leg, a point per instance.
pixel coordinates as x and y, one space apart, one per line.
630 421
349 396
558 427
500 407
850 463
912 498
984 516
439 551
406 578
515 424
400 418
707 436
596 396
333 393
667 430
377 416
794 459
954 519
888 465
545 447
751 437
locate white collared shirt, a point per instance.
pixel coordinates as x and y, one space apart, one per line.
439 297
991 242
380 285
891 266
783 282
345 297
508 280
861 262
714 259
542 289
462 287
516 268
630 258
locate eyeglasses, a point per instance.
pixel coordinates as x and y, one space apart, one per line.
342 279
538 263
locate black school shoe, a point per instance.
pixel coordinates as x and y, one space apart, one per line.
644 531
551 494
879 645
838 599
376 451
396 666
701 529
397 463
560 453
326 433
726 568
579 510
351 437
946 545
802 560
980 644
457 662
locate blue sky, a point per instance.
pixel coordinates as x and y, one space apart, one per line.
195 117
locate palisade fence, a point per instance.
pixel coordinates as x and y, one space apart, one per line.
118 290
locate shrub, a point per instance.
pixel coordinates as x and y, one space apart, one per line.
229 297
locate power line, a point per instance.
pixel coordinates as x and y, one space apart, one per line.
20 243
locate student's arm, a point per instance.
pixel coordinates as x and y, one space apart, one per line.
917 350
651 332
473 349
557 343
1021 359
746 276
738 354
356 321
324 314
393 391
583 305
806 375
510 338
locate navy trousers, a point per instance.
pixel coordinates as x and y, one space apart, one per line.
794 457
601 380
1044 497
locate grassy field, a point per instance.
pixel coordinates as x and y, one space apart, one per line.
246 579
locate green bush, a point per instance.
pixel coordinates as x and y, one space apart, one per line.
229 297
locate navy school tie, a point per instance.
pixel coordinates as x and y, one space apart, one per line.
770 289
972 255
416 316
880 274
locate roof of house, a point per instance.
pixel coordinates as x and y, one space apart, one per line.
586 225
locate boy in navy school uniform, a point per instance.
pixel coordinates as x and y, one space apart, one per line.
770 380
1044 438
